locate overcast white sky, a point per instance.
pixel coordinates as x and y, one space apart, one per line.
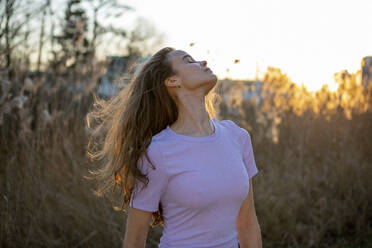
308 40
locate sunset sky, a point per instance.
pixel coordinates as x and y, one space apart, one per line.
308 40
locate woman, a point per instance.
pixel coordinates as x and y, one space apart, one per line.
173 163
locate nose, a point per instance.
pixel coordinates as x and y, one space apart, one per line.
204 63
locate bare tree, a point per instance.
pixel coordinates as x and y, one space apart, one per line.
144 39
107 10
9 11
73 38
42 31
13 31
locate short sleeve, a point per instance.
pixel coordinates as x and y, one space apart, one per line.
248 156
144 197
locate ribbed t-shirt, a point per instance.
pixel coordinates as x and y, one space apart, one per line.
201 183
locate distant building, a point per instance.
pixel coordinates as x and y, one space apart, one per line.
119 66
366 71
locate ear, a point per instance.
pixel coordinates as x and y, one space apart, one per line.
171 82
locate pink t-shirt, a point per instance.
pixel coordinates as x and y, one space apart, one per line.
201 183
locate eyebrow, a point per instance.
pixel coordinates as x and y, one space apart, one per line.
186 56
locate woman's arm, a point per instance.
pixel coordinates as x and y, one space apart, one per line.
138 223
249 232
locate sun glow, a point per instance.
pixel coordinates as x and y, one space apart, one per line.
307 40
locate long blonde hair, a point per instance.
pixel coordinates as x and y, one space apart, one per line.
124 126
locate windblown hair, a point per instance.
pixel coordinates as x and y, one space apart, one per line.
124 126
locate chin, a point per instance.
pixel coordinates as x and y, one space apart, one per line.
208 82
211 83
214 79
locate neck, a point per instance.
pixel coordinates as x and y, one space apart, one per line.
193 118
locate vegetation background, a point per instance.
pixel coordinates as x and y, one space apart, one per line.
313 150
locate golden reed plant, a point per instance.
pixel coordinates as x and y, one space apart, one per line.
314 152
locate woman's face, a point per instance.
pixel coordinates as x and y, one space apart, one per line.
190 73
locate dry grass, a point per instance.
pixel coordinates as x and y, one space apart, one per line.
316 182
314 188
